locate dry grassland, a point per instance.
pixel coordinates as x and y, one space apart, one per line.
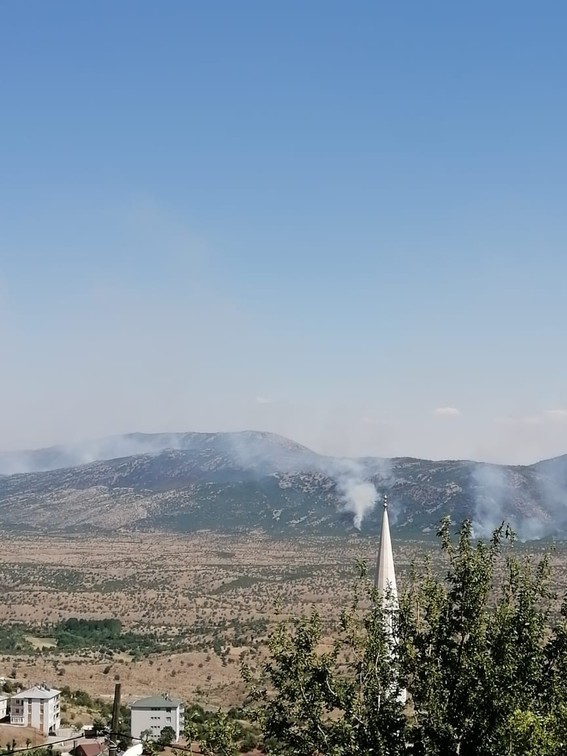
196 588
9 733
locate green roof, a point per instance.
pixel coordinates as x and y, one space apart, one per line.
156 702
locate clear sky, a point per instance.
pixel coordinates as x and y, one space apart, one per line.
341 221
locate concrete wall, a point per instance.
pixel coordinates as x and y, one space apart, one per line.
155 720
41 713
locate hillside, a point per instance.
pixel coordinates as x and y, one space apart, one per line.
258 481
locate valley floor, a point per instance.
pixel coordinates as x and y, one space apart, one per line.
204 601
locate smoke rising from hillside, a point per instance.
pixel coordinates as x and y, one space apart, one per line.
489 492
260 453
268 453
501 495
272 453
360 498
354 486
532 499
359 495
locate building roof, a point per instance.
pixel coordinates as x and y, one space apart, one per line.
156 702
3 697
89 749
38 691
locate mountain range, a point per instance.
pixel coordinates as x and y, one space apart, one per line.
235 482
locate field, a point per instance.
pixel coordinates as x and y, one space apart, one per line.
191 607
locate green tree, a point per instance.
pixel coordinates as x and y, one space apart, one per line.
480 645
217 735
167 736
99 726
346 699
478 649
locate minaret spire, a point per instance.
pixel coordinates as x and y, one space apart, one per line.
385 579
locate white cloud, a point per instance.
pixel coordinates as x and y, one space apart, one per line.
446 412
263 400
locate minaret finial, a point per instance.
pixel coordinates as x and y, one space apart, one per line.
385 501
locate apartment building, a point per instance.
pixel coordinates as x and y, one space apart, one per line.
3 706
151 715
38 707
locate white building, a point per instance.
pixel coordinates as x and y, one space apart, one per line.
38 707
151 715
3 706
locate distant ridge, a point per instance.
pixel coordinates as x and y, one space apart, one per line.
234 482
130 444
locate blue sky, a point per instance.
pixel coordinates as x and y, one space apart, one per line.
341 222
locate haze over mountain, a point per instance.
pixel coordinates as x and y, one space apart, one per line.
253 448
235 482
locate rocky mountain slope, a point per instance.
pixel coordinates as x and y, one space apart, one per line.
247 481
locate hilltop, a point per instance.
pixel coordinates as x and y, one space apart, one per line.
235 482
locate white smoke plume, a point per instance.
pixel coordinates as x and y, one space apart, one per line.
267 452
489 494
357 491
259 453
502 495
360 498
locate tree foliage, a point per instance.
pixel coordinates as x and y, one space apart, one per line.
480 648
167 736
336 697
13 640
481 651
218 734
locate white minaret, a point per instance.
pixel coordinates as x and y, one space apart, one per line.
385 578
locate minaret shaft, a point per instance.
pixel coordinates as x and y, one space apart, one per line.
385 578
385 583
